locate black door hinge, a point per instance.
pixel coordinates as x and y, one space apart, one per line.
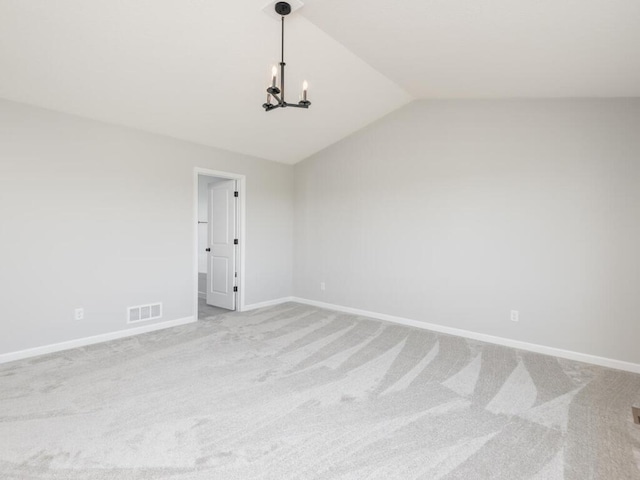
235 241
235 289
235 194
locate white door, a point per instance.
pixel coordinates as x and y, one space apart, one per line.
221 250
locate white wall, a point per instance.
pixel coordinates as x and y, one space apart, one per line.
101 217
456 212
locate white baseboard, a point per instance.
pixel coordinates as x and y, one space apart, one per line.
202 295
82 342
268 303
507 342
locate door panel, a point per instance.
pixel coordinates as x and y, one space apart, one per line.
219 280
219 202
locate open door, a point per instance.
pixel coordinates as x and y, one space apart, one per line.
221 245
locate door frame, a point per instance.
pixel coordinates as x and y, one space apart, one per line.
240 225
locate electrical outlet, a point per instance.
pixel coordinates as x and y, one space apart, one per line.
636 414
322 286
79 313
515 316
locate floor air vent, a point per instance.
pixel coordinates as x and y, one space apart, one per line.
143 313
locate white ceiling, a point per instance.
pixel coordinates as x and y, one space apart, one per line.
197 69
493 48
192 69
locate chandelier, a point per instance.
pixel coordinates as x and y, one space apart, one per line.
275 92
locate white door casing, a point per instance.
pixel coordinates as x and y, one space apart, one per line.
221 250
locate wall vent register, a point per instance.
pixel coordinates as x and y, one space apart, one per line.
144 313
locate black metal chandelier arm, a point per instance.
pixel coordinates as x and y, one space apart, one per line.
300 104
272 106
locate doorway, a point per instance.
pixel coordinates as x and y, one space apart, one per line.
219 220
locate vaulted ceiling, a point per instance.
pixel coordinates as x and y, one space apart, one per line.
197 69
492 48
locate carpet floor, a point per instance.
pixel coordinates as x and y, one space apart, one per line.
296 392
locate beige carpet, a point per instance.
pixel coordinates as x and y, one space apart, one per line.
295 392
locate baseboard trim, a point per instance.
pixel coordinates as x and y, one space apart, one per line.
507 342
202 295
268 303
82 342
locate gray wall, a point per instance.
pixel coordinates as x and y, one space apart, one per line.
101 217
451 212
456 212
